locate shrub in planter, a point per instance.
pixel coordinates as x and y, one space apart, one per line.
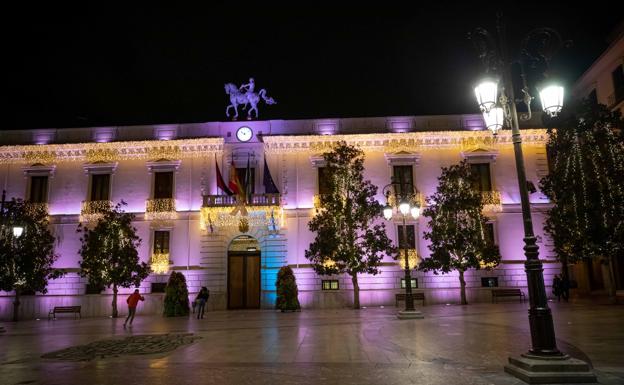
287 290
176 296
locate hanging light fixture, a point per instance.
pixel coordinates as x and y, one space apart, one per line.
494 119
415 210
551 97
404 207
387 212
18 231
487 93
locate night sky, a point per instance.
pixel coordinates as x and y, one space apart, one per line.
73 67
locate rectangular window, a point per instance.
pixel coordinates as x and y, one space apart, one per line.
161 242
38 189
330 284
323 178
241 172
100 187
489 282
93 288
592 97
618 83
411 236
414 283
163 185
488 233
158 287
482 171
403 175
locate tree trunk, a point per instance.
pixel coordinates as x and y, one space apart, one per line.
356 291
115 313
608 277
16 304
463 288
564 268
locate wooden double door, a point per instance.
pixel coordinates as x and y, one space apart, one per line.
243 280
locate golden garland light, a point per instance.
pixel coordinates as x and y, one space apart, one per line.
488 265
492 201
160 209
412 257
91 211
164 152
103 155
43 157
160 263
257 216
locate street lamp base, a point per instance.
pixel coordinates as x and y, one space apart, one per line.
410 314
550 370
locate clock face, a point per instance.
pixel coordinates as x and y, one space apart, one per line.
244 134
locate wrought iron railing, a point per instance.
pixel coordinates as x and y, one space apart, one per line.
93 210
491 201
233 200
160 263
160 209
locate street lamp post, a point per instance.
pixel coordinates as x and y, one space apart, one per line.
544 362
404 200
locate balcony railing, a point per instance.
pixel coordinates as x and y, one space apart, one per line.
93 210
232 200
34 208
160 209
491 201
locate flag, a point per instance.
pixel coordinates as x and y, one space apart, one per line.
269 185
220 182
234 183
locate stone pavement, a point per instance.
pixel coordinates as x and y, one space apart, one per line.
452 345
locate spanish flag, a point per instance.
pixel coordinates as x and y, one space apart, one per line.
234 183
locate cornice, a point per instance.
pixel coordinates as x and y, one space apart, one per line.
409 141
113 151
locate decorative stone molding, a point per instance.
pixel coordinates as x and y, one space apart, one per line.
163 166
318 161
99 168
397 142
402 158
480 155
39 170
113 151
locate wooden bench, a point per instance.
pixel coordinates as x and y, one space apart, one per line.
507 293
64 309
418 296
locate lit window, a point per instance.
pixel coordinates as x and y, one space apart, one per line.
414 283
330 284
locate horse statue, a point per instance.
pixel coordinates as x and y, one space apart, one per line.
238 97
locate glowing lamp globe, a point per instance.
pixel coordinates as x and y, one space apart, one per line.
486 92
494 119
404 208
18 231
551 97
415 212
387 212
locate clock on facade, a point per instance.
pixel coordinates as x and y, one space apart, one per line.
244 134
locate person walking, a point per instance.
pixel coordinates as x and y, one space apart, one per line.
565 287
556 287
202 298
133 301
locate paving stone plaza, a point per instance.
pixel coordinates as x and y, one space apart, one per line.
451 345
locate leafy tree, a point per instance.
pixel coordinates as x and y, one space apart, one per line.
349 237
586 186
109 252
26 261
176 296
287 292
457 226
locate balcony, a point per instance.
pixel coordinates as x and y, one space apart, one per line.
34 208
491 201
160 209
91 211
160 263
262 210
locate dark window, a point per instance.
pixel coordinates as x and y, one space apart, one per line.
592 97
330 284
93 288
163 185
323 179
414 283
482 172
38 189
241 172
158 287
618 83
100 187
404 176
411 236
489 282
488 233
161 242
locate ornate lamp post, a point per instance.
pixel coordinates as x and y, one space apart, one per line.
495 95
400 197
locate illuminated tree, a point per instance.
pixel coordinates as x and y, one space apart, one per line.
456 227
349 236
586 186
109 252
